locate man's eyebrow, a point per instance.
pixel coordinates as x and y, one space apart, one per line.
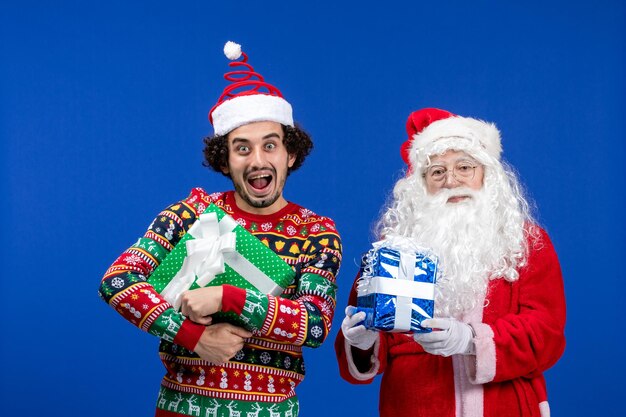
271 135
240 140
245 140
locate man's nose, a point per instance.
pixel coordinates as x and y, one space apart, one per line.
257 158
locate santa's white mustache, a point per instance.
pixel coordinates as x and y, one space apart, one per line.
445 194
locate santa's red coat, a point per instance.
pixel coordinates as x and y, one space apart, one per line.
519 334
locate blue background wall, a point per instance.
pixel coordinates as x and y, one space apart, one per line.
103 108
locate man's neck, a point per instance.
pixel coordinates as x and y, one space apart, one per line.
260 211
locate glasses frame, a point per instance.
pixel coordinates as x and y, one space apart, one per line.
473 164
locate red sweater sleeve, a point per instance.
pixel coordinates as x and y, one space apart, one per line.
125 286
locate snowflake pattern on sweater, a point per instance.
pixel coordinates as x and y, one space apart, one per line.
270 365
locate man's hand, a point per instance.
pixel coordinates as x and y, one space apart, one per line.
357 336
200 303
220 342
449 337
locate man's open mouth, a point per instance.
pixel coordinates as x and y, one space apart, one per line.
260 182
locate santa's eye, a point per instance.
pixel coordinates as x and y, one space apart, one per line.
436 172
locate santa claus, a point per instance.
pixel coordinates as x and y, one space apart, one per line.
499 301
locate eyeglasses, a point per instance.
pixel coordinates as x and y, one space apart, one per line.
463 171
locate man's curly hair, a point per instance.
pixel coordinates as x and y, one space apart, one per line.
296 140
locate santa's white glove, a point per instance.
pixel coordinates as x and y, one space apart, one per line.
357 336
454 337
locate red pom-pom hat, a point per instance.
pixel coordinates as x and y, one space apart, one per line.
248 98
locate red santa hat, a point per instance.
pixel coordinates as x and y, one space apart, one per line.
433 131
248 98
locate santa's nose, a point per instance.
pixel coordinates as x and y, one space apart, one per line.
450 180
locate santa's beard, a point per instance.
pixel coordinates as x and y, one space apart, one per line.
464 237
477 239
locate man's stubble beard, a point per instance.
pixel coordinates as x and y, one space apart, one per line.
241 191
262 203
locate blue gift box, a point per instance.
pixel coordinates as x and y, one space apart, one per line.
397 289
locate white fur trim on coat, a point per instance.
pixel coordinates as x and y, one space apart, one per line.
544 409
241 110
469 397
482 368
354 371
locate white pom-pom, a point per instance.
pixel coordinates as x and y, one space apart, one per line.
232 50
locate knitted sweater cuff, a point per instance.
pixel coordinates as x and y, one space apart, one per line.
189 334
233 299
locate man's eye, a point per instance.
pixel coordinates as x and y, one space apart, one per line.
270 146
437 172
242 149
464 167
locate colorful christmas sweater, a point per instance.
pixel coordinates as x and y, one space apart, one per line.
264 374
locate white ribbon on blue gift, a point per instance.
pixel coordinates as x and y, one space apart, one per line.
212 246
405 289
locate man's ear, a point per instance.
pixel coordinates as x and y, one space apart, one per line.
292 159
225 170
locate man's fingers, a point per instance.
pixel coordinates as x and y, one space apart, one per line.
184 303
239 347
240 331
184 310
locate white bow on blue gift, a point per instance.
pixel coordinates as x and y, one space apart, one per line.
404 288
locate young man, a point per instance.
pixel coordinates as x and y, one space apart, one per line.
499 301
219 369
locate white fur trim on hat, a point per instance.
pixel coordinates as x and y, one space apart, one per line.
470 134
241 110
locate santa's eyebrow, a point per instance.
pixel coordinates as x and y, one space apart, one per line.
466 159
454 162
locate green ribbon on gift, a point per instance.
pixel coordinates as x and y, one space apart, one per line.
217 250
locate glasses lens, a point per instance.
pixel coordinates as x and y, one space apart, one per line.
464 170
436 173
